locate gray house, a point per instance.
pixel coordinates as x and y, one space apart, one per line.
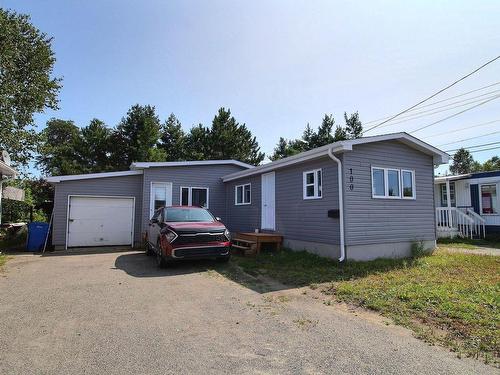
357 199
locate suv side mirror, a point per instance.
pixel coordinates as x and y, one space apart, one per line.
154 221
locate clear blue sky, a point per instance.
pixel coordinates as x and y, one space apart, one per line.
276 64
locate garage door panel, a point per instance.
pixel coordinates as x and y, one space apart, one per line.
100 221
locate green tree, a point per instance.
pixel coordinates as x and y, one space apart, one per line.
323 136
93 148
286 148
56 153
353 126
26 83
225 139
173 139
463 162
136 137
492 164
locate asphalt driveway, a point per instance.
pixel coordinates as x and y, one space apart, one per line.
116 313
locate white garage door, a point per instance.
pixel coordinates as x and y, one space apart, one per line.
100 221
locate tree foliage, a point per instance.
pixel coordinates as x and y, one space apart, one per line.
322 136
26 83
136 137
463 162
67 149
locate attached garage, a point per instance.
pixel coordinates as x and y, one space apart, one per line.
100 221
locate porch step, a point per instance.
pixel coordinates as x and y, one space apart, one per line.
247 247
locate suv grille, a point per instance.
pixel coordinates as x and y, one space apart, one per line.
201 252
199 238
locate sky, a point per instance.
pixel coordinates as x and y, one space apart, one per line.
277 65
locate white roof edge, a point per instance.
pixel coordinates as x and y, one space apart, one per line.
440 157
143 165
55 179
7 170
451 177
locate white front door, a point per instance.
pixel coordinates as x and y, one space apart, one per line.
100 221
161 196
268 201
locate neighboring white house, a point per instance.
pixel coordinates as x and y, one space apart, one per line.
468 204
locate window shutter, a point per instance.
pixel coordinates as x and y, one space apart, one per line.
474 197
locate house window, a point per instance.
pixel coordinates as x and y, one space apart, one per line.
242 194
489 202
312 184
378 182
408 183
393 183
194 196
444 196
160 192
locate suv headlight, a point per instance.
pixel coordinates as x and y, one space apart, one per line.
170 235
227 234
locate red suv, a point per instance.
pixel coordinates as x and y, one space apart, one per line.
186 232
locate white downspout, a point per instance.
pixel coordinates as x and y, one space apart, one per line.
341 203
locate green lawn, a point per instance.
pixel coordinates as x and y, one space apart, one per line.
466 243
450 298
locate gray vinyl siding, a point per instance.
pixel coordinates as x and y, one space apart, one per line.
296 217
110 186
307 219
195 176
374 221
243 218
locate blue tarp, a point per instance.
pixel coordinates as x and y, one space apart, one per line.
37 232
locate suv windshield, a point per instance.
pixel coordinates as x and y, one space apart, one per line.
173 214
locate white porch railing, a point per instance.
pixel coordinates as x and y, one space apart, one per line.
463 221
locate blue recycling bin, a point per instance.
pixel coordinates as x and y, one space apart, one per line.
37 232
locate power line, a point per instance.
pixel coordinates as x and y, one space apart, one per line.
486 149
476 146
454 115
468 139
416 115
435 94
445 100
464 128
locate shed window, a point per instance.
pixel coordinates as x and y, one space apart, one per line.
242 194
393 183
194 196
312 184
489 202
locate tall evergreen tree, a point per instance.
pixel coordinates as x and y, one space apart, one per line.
226 139
463 162
353 126
94 147
136 137
198 143
173 139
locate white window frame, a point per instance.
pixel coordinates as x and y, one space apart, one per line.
152 198
413 190
243 203
318 190
190 194
386 183
481 199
